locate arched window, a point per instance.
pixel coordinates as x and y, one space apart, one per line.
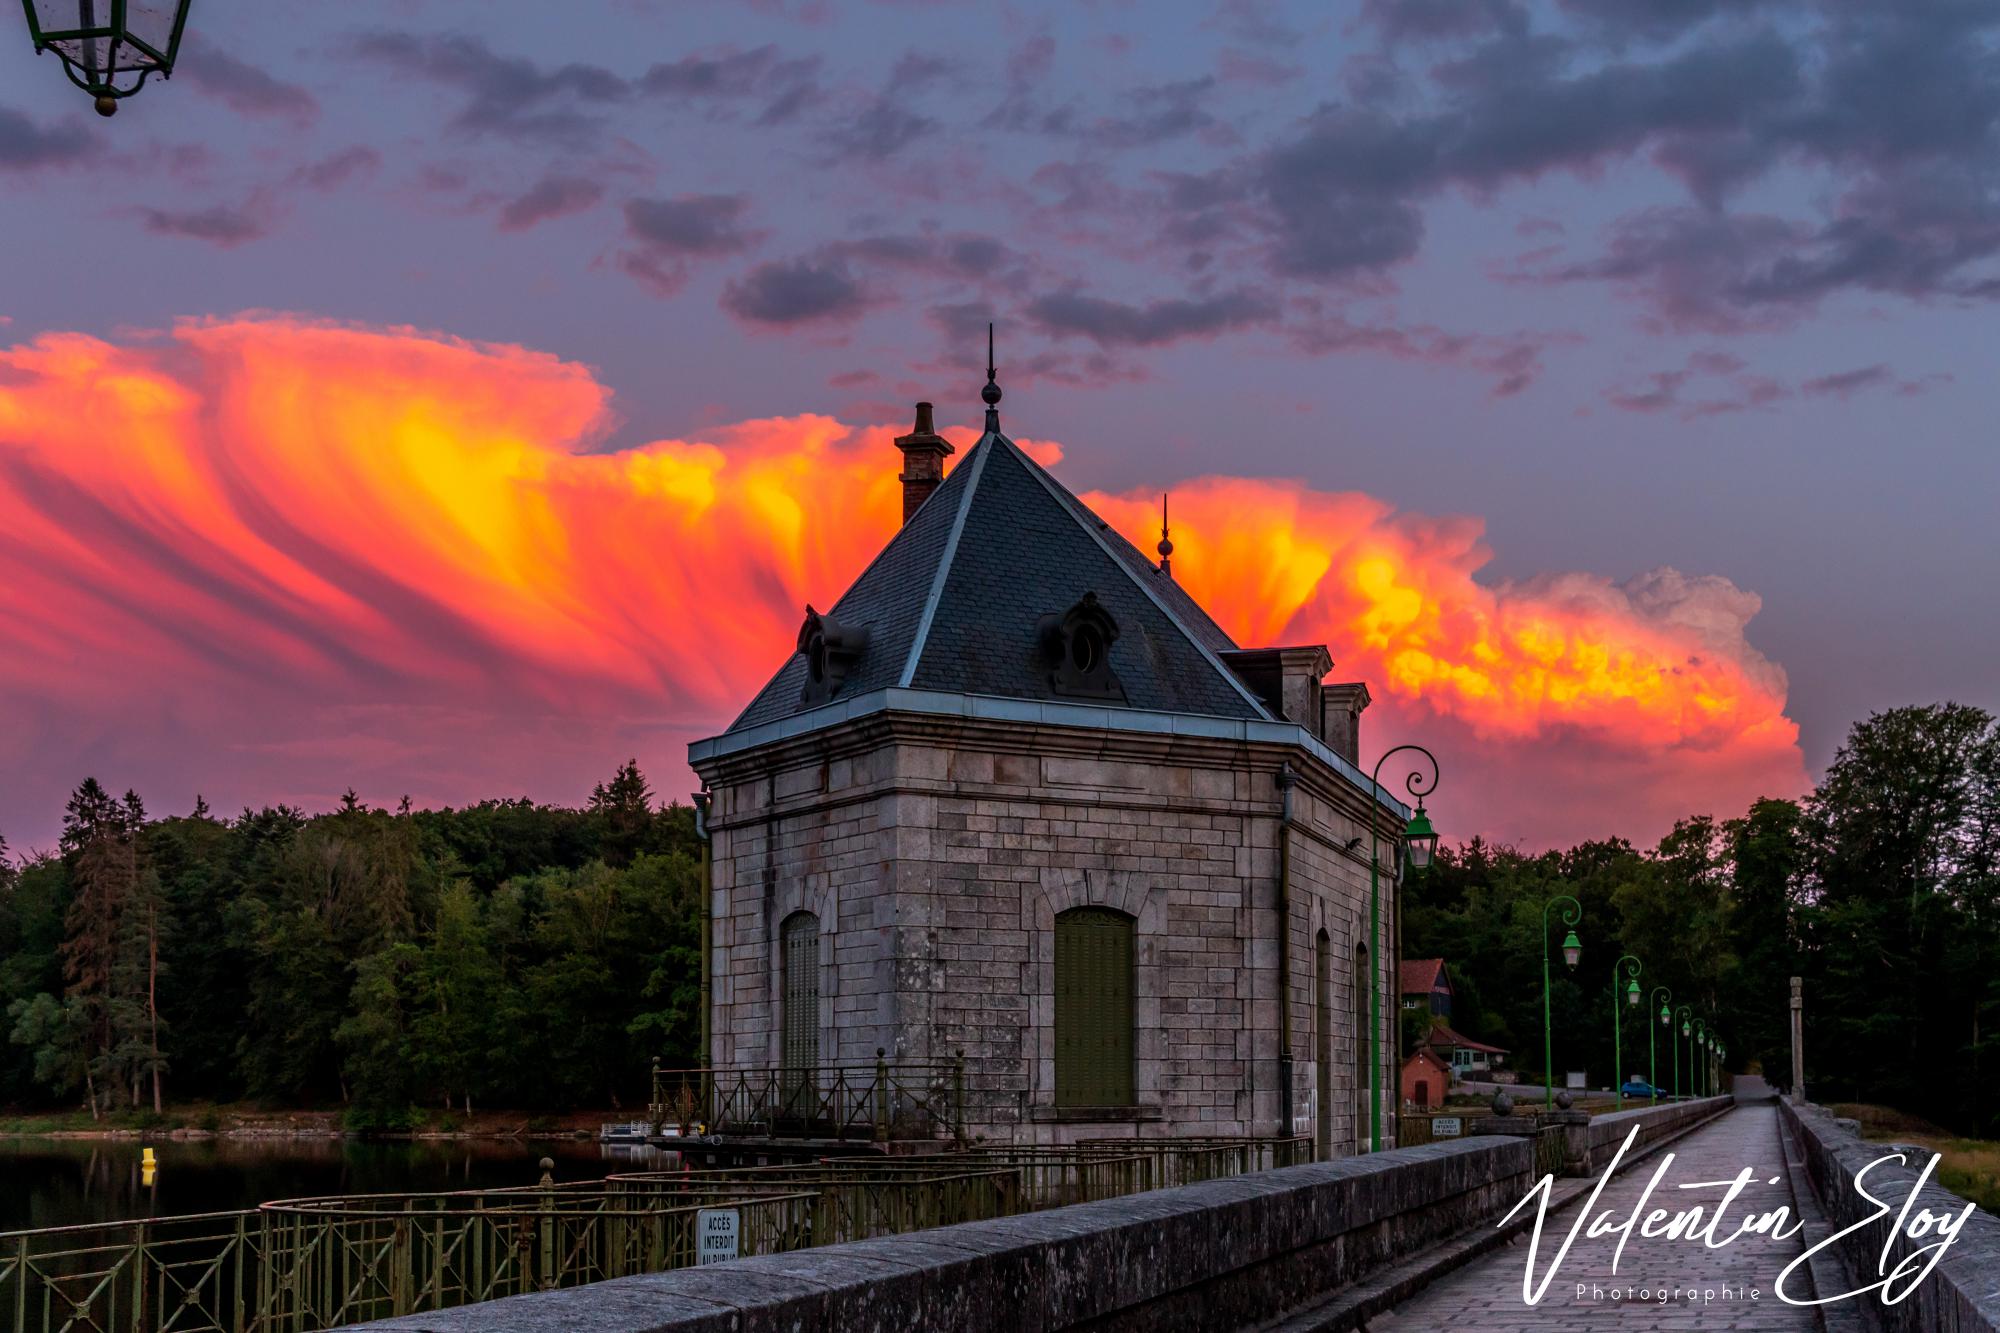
1094 1008
1323 1041
1361 1122
799 961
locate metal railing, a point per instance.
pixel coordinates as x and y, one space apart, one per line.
298 1265
878 1102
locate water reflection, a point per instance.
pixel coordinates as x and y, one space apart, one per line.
62 1182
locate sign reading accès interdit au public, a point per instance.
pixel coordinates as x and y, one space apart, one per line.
1446 1127
716 1233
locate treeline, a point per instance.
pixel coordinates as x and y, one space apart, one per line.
1881 889
505 954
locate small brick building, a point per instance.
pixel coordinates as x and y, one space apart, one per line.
1016 795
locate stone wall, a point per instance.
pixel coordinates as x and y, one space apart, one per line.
1962 1294
1603 1136
937 856
1222 1254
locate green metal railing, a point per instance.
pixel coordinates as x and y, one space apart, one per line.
880 1101
298 1265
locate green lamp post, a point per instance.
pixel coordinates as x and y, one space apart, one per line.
109 47
1686 1016
1665 998
1572 949
1694 1072
1631 999
1420 846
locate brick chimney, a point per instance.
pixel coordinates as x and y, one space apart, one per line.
1341 725
924 451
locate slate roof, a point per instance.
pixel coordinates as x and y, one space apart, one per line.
1419 976
951 603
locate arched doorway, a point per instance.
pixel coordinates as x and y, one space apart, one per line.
1361 981
1094 1009
799 1031
1323 1042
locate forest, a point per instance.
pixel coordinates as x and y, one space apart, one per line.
506 954
534 957
1881 889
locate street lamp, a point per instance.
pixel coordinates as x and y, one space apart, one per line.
1631 966
1572 951
1666 998
1694 1075
1422 841
109 47
1685 1013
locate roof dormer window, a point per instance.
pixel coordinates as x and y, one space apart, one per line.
1076 646
830 648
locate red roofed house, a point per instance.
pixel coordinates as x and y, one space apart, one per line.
1468 1058
1426 985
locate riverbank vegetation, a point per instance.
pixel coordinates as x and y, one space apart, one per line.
1881 889
389 962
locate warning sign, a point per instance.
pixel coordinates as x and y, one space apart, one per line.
715 1235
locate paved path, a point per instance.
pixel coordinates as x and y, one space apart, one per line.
1486 1297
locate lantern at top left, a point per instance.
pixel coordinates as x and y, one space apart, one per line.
109 47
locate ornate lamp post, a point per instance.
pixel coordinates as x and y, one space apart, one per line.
1572 953
1665 998
1631 997
109 47
1686 1015
1420 843
1694 1073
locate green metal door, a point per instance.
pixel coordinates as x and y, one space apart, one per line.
1094 1008
800 1040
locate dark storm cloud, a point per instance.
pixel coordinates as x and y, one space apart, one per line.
883 127
709 224
219 225
809 289
550 197
336 170
26 144
245 89
509 97
1847 382
667 233
1116 323
783 87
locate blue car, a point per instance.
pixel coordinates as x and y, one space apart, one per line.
1639 1087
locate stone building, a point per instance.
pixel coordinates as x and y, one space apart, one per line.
1016 795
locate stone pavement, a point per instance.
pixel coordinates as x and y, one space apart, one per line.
1661 1283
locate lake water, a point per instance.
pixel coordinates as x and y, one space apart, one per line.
62 1182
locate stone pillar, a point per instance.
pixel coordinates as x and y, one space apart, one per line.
1798 1041
924 452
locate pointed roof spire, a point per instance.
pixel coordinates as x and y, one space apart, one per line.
1166 546
991 393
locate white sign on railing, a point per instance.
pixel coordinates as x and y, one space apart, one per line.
716 1235
1446 1127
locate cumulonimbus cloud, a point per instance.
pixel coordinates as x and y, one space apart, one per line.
342 547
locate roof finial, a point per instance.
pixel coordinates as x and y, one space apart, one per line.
991 393
1166 547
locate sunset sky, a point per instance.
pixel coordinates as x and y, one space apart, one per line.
455 399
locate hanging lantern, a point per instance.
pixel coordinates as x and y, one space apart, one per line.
109 47
1572 949
1665 1017
1632 993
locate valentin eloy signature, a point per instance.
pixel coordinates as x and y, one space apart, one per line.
1896 1280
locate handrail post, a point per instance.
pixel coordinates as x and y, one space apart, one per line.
881 1095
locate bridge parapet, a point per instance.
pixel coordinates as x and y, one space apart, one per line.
1217 1254
1961 1295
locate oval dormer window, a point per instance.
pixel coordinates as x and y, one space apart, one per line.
1076 647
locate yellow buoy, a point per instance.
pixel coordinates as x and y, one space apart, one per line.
146 1159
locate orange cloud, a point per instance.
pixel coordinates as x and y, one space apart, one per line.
249 546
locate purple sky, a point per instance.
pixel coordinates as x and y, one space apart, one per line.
1639 283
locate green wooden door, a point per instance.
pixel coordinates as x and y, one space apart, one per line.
799 938
1094 1008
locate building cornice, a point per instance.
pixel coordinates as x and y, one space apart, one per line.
856 724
